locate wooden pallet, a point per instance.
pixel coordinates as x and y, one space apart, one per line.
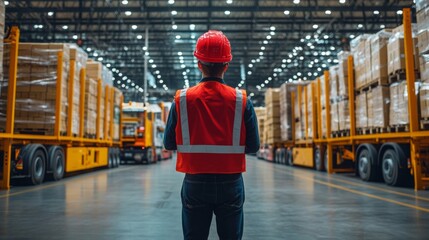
341 133
400 75
89 136
424 124
367 87
398 128
38 131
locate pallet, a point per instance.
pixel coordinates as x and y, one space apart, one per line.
369 86
398 128
400 75
424 124
341 133
38 131
89 136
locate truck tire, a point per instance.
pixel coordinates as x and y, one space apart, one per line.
318 160
56 162
366 166
110 159
149 155
390 168
37 169
326 160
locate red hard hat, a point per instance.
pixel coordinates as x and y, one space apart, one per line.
213 47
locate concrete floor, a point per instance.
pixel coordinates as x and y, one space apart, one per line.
143 202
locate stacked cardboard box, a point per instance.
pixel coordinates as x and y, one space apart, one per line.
37 84
80 58
379 42
361 49
298 113
422 7
117 114
311 107
343 84
272 121
286 90
361 111
344 115
398 114
333 83
396 51
260 115
323 103
378 101
90 121
3 81
335 118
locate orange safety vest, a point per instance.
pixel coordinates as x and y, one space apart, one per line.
210 133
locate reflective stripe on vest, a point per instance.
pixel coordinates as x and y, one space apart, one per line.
186 147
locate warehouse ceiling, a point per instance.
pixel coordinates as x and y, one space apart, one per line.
272 41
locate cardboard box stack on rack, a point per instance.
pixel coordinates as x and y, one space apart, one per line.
272 120
260 115
117 114
299 114
398 111
323 105
80 58
286 90
37 83
333 93
422 7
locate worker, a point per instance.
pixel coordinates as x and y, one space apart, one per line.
212 126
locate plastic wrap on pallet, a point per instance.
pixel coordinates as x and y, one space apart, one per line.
424 100
310 112
299 117
323 120
107 76
398 111
80 58
260 115
344 114
423 41
378 65
90 116
36 87
322 91
286 90
361 111
335 119
359 49
117 114
343 89
424 67
333 83
95 73
272 120
421 5
378 107
2 22
423 19
396 52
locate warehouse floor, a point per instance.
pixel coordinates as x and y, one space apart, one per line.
140 201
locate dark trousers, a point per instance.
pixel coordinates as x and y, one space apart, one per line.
205 194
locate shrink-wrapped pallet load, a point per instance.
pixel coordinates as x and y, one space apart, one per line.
359 50
333 83
343 115
117 114
335 119
260 115
398 113
343 85
379 42
299 117
378 107
361 111
36 90
286 90
396 51
272 121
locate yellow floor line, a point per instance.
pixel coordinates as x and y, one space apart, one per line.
360 193
34 188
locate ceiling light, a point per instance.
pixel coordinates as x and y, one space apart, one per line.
6 3
270 78
352 36
128 13
174 26
192 27
88 49
75 37
183 66
249 73
134 27
258 60
170 1
125 78
178 36
376 12
161 81
266 81
286 12
315 26
227 12
250 65
360 26
272 28
159 76
174 12
95 54
342 1
328 12
261 53
153 65
65 27
269 37
308 37
228 1
192 36
179 53
144 48
150 60
399 12
382 26
125 2
262 48
100 59
253 61
296 1
326 37
273 33
118 82
50 14
262 85
283 65
139 36
265 42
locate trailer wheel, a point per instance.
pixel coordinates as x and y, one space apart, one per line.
37 171
390 167
149 155
366 168
110 159
57 162
118 157
318 160
289 157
